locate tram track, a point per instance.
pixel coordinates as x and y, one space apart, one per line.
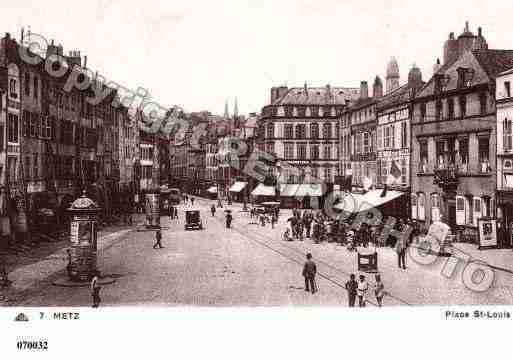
325 269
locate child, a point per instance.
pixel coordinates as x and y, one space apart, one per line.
379 290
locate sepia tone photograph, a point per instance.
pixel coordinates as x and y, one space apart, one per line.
256 154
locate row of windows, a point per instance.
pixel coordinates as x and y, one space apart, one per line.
303 111
454 152
445 109
468 210
301 151
299 131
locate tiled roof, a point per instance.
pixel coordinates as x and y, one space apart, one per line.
362 102
495 61
399 95
318 96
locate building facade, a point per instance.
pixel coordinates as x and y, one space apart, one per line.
454 136
300 126
504 100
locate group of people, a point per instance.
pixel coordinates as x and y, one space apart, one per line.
310 224
270 215
355 288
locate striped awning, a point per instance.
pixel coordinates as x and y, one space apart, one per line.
212 189
263 190
238 186
301 190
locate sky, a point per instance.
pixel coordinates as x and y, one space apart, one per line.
200 54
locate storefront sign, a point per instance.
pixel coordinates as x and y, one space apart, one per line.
487 230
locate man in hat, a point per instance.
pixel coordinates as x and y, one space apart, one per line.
158 239
229 219
309 272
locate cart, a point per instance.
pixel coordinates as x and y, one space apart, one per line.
193 220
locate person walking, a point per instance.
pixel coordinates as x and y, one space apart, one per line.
95 290
274 219
400 248
213 210
309 272
158 240
379 290
229 219
361 290
351 287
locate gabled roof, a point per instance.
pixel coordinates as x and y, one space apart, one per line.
495 61
400 95
318 96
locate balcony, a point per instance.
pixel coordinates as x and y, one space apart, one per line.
446 177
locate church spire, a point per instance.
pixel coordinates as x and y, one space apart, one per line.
226 114
235 109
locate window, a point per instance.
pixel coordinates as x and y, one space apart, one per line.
327 130
414 206
507 88
300 131
404 171
301 151
380 137
12 88
440 154
314 152
450 109
507 131
270 130
46 127
438 110
421 207
460 211
27 167
34 125
482 103
422 111
289 150
484 151
327 174
477 210
463 106
12 128
35 173
404 134
36 87
435 207
463 154
27 84
314 130
327 152
289 131
423 153
366 142
270 148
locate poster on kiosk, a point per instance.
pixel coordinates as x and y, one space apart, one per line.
487 229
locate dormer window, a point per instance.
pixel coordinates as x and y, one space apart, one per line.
507 88
465 77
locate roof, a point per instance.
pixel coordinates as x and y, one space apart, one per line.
494 61
318 96
486 63
362 102
399 95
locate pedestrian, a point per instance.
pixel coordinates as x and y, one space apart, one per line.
351 287
192 201
362 288
286 235
95 290
274 219
400 248
229 220
379 290
309 272
213 210
68 266
158 239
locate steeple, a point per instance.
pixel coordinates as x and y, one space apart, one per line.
235 109
392 78
226 114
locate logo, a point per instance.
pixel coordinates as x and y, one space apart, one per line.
21 318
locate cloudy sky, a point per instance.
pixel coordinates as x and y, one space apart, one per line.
198 54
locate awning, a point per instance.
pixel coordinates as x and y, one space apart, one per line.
263 190
238 186
355 203
212 189
301 190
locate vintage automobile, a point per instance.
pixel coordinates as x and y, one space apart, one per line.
193 220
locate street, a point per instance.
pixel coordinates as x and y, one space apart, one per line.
249 265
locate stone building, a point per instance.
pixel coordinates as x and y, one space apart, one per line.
504 101
454 136
300 126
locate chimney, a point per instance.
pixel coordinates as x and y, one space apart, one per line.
306 90
479 31
451 36
377 90
364 90
85 62
437 66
